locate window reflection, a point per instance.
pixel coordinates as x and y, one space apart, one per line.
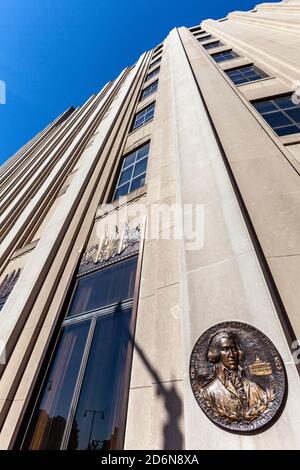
50 420
89 373
104 287
96 422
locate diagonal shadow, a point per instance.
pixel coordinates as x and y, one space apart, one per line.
173 439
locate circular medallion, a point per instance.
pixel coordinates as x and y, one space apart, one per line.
237 377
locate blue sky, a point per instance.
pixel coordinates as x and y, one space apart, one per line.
56 53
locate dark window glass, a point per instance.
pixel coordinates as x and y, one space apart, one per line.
133 164
104 287
212 45
294 114
282 114
276 119
142 152
149 90
155 56
222 56
130 159
205 38
284 102
122 191
96 424
265 106
158 48
195 29
152 74
125 175
157 61
138 182
247 73
49 421
83 400
287 130
140 167
144 116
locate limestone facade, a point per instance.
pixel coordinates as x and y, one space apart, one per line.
209 148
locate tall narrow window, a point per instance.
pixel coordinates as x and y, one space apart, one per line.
152 74
212 45
133 172
144 116
205 38
81 405
195 29
158 48
247 73
157 61
282 114
222 56
149 90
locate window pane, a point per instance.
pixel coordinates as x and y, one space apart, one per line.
144 116
245 74
276 119
126 175
124 188
294 114
253 77
138 182
248 71
213 44
142 152
49 421
152 74
150 89
224 56
264 106
285 102
97 420
121 191
240 81
129 160
139 120
140 167
104 287
234 73
287 130
219 58
154 63
149 115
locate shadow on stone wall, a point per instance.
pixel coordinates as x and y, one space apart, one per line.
173 438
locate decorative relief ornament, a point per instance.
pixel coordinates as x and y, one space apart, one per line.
237 377
8 284
113 244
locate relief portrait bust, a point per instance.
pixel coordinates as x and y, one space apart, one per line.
229 392
237 376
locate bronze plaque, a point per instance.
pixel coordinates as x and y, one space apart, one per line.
238 377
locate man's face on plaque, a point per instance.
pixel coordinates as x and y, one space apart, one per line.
229 353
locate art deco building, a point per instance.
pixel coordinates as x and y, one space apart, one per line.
102 301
